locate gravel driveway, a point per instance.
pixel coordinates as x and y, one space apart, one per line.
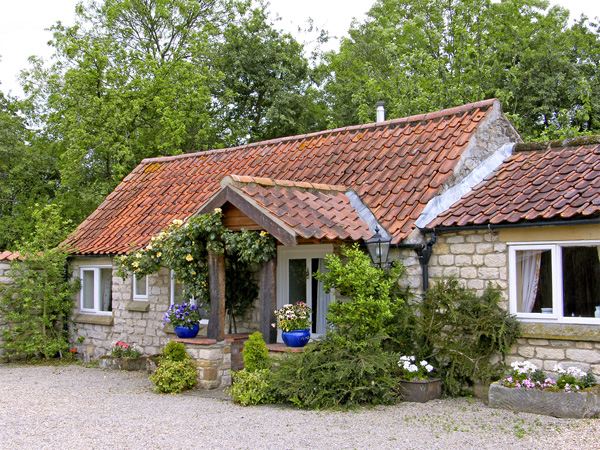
73 407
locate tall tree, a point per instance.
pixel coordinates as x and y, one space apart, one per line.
419 56
134 79
28 174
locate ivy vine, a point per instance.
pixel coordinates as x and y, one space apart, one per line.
183 248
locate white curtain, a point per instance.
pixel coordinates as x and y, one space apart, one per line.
106 281
322 302
530 276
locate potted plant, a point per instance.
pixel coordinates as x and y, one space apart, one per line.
123 356
574 393
294 323
416 382
185 319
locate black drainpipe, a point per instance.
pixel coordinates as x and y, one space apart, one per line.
424 252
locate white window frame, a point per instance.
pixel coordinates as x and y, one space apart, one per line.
139 297
557 282
284 254
97 290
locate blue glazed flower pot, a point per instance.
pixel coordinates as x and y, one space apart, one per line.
185 332
296 338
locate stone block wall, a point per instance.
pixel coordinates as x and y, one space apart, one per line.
475 258
546 353
132 322
4 280
212 360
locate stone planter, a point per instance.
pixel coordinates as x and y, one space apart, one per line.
421 391
577 405
114 363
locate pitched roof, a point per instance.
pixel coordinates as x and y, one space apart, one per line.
562 181
395 167
304 209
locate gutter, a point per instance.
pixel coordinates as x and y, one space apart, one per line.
501 226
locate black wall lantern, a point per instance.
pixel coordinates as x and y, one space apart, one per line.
379 248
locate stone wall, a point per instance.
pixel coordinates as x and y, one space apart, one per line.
4 280
212 360
133 322
477 258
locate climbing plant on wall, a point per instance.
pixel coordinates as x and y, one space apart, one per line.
183 248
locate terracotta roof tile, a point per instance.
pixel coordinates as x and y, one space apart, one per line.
559 182
369 159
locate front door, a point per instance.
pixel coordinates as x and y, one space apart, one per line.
296 283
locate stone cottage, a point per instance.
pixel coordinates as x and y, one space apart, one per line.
402 177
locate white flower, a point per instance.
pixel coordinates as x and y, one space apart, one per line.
412 368
423 363
428 367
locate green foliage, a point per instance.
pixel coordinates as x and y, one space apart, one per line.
174 376
424 55
256 353
175 351
38 304
252 387
175 371
328 375
458 332
241 290
29 175
368 290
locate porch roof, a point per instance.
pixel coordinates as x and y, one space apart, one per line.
289 209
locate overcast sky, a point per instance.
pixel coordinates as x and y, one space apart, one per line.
22 24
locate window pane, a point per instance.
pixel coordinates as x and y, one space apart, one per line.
534 281
297 277
87 289
177 292
581 281
140 286
105 290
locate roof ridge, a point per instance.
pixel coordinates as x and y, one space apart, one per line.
579 141
387 123
271 182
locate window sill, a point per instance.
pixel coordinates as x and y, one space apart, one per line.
562 331
94 319
139 306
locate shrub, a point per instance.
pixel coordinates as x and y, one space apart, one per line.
175 351
256 353
368 290
459 332
327 375
174 376
252 387
39 302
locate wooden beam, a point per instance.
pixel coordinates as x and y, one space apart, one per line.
268 300
216 283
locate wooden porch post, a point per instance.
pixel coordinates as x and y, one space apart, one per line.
216 282
268 300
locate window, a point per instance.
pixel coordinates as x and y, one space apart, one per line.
96 290
140 288
555 281
295 281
